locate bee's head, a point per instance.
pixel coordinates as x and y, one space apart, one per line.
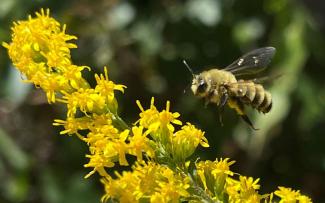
200 86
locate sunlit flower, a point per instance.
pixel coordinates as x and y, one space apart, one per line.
149 116
73 74
105 152
213 174
73 125
102 124
304 199
167 118
139 143
244 190
153 181
288 195
106 87
86 100
186 140
39 49
156 121
222 166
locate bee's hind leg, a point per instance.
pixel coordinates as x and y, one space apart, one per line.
246 119
223 101
220 112
239 108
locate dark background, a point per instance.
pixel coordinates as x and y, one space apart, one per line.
144 43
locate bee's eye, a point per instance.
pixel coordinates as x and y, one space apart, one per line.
202 86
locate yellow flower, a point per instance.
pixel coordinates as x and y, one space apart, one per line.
147 181
156 121
73 125
106 87
73 74
244 190
166 118
106 144
86 100
139 143
105 152
39 49
121 189
98 161
287 195
102 124
172 187
149 116
248 183
304 199
213 175
186 140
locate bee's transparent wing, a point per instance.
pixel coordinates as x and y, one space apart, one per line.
252 62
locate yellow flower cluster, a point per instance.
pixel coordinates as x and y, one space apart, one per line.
160 142
287 195
39 49
147 182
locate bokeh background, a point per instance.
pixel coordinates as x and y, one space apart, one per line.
144 43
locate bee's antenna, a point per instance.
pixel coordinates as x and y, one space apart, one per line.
188 67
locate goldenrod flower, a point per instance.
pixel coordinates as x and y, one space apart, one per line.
166 118
86 100
155 121
304 199
244 190
39 49
150 181
213 175
139 144
106 87
287 195
149 116
186 140
73 74
73 125
105 152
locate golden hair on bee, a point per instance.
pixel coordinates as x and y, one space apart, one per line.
221 86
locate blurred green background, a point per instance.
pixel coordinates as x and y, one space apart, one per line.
144 43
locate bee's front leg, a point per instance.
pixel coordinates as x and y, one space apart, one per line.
224 99
210 98
224 96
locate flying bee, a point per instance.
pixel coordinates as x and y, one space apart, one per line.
221 86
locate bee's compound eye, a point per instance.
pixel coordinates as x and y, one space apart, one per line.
202 87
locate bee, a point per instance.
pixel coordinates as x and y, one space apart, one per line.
221 86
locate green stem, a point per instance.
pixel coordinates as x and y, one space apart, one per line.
120 122
199 192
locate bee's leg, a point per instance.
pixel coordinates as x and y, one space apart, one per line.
239 108
220 111
246 119
223 99
208 98
206 103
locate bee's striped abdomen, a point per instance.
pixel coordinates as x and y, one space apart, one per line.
251 94
266 105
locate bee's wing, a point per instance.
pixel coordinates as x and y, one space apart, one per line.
252 62
267 79
259 80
